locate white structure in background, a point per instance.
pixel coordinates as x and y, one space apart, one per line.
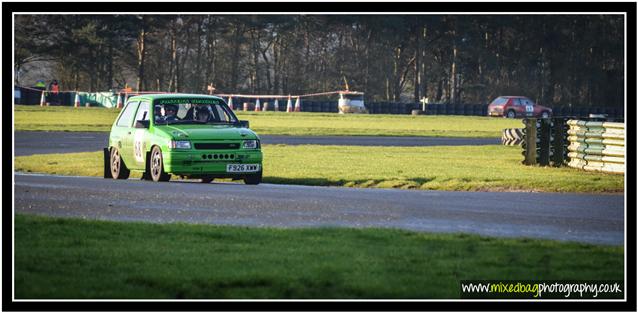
351 102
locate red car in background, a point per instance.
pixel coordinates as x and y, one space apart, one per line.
517 106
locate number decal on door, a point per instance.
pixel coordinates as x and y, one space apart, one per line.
137 146
529 108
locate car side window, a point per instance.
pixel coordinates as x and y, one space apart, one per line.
222 116
127 115
142 112
517 102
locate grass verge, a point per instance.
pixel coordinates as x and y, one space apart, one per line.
72 258
469 168
281 123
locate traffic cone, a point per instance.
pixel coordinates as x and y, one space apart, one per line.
230 103
298 105
257 106
265 106
119 101
77 100
289 106
245 106
42 99
276 105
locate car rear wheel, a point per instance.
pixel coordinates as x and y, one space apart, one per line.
157 166
254 179
207 180
545 114
511 114
118 168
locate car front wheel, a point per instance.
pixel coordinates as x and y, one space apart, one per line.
118 168
157 166
254 179
511 114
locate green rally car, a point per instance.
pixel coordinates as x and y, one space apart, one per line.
192 136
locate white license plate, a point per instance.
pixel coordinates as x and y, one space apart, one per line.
242 168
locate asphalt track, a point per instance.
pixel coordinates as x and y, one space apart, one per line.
40 142
589 218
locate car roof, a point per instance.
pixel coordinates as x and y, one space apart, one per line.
509 97
155 96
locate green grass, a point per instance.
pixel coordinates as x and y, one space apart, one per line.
281 123
56 118
72 258
377 124
473 168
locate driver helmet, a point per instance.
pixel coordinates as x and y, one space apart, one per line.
170 107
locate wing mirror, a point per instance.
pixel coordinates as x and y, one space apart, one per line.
142 124
243 124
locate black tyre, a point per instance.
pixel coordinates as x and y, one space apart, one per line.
147 168
118 168
157 166
206 180
511 114
107 162
254 179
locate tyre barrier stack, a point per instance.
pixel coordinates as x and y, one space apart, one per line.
597 146
545 141
512 137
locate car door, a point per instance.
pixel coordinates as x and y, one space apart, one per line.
140 136
122 136
519 107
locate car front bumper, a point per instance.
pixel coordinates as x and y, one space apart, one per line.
209 162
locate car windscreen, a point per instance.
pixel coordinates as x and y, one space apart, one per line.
192 111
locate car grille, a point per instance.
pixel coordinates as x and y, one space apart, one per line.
216 146
220 156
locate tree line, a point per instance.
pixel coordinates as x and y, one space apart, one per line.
554 59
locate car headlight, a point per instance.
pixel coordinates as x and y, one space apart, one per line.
179 144
250 144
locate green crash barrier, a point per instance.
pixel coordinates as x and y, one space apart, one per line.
597 133
599 158
596 146
587 145
596 149
599 141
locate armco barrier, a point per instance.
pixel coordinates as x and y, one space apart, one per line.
596 146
